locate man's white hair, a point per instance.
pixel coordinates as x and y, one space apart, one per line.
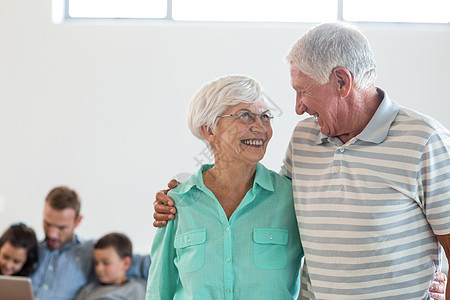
330 45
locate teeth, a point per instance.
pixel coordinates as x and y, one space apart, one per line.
253 142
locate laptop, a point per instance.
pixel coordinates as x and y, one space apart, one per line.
15 288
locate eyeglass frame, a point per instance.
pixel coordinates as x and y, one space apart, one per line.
251 115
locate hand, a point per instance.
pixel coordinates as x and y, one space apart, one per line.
163 206
437 289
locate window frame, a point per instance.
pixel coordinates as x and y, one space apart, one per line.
63 16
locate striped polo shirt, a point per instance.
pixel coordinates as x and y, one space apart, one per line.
368 210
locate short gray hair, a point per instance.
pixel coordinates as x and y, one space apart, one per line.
330 45
216 96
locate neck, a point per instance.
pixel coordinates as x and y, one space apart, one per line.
229 183
120 280
362 108
232 174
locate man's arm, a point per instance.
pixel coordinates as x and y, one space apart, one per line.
163 205
444 240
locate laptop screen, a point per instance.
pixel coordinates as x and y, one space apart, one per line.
15 287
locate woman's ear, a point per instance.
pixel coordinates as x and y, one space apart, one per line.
344 80
207 133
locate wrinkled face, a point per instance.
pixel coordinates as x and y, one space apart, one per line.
109 267
320 101
12 259
235 140
59 226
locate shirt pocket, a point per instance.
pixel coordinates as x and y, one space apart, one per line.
269 248
190 250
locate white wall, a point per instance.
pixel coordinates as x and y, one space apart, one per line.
102 108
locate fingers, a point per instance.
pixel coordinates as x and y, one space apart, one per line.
159 223
161 208
163 205
162 218
437 288
162 198
173 183
441 277
437 296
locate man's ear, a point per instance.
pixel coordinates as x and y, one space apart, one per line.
207 133
78 220
344 81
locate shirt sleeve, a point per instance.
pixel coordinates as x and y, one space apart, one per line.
286 168
163 274
434 177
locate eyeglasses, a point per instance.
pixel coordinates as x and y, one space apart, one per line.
247 117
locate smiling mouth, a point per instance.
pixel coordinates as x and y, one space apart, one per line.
253 142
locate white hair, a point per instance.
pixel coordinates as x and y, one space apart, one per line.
216 96
330 45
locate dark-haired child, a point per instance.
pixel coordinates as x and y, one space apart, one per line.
112 255
18 250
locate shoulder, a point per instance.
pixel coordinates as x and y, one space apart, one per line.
279 182
85 244
137 282
419 129
306 132
421 121
134 288
190 185
306 123
86 290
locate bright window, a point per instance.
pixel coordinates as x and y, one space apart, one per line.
410 11
255 10
413 11
117 8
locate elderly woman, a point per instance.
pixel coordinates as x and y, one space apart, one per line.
236 234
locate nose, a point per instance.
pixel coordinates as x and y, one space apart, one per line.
98 268
53 233
9 264
300 108
258 125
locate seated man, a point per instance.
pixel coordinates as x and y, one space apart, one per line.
65 261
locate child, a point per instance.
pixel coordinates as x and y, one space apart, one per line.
112 255
18 250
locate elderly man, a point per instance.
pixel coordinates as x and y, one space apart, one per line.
370 177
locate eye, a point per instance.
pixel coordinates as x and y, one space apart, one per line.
265 117
245 116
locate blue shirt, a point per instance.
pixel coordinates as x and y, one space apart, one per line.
62 272
255 254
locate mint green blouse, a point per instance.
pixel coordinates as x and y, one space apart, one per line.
256 254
